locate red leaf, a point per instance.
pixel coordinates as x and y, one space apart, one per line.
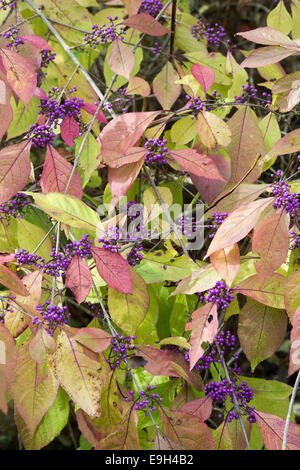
133 155
204 326
272 429
69 130
121 133
201 408
294 364
271 240
146 24
79 278
121 59
113 269
204 75
238 224
10 280
37 41
5 106
40 94
95 339
14 169
121 179
20 75
56 172
91 108
196 163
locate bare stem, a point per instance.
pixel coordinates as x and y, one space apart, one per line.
289 414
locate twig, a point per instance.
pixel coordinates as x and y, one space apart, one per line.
289 414
173 27
69 52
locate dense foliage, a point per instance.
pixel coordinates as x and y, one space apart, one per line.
149 223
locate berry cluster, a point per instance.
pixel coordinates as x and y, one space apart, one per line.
195 105
46 59
212 33
13 39
218 220
157 151
8 3
152 7
120 346
134 256
53 316
188 225
104 34
156 48
14 208
251 93
146 400
220 391
219 294
295 239
110 239
55 111
120 102
82 248
284 198
23 257
41 135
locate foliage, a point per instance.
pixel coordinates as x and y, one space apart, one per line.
149 224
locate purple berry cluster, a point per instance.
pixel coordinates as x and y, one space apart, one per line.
4 4
219 294
157 151
195 104
156 48
295 239
55 111
147 401
250 92
284 198
120 102
212 33
46 59
221 391
14 208
151 7
53 316
188 225
218 219
104 34
11 35
110 241
23 257
120 346
134 256
40 136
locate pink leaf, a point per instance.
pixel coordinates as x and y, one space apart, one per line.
268 36
20 75
201 408
122 132
271 239
204 75
95 339
146 24
56 172
40 94
79 278
121 59
133 155
10 280
6 258
164 87
37 42
5 106
91 108
138 86
294 364
14 169
227 262
113 269
204 326
270 292
69 130
121 179
266 56
196 163
272 429
238 224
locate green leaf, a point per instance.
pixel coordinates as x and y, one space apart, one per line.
184 130
179 315
30 235
280 19
22 119
51 425
67 209
159 266
128 311
146 332
88 159
271 134
215 61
